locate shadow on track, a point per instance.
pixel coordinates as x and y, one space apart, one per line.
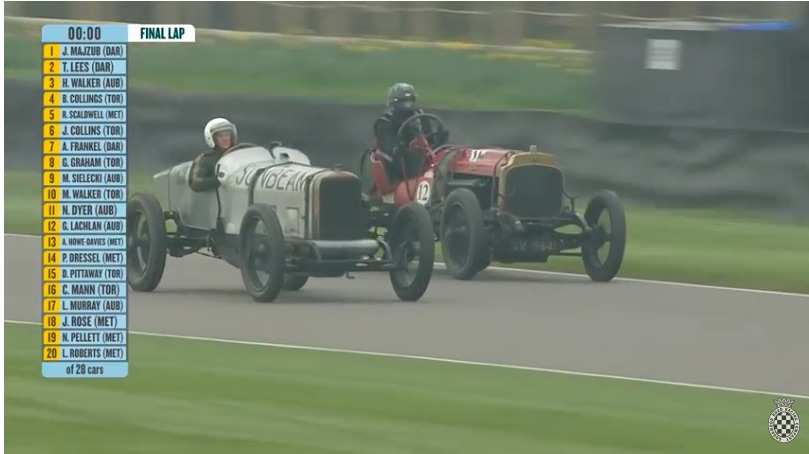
301 297
502 275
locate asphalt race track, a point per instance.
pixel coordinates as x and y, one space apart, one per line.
676 333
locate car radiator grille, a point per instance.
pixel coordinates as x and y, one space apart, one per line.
533 191
340 215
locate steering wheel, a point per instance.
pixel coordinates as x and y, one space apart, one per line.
439 134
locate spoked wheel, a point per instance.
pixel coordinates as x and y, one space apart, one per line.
412 243
146 242
262 253
294 282
604 252
463 238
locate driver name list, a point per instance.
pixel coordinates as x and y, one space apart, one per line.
84 193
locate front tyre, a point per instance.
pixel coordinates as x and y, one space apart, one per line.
262 253
412 238
463 236
603 253
146 242
294 282
484 262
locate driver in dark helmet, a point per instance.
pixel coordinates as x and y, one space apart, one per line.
220 135
401 106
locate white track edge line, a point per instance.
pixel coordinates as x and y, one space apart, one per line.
582 276
447 361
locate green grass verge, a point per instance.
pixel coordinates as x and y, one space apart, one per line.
204 397
697 246
452 77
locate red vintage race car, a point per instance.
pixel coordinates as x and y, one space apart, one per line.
494 204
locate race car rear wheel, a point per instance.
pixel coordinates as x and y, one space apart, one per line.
604 252
463 237
412 237
146 242
294 282
262 253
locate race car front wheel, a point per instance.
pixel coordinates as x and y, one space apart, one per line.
412 238
262 253
603 253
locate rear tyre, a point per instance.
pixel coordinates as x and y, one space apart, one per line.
603 254
294 282
262 253
463 237
412 237
146 242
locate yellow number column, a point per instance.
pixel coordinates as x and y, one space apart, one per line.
51 209
50 318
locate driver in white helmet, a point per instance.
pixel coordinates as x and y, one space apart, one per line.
220 135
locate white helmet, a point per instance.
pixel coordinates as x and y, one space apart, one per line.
218 125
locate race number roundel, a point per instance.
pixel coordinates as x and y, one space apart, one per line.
423 192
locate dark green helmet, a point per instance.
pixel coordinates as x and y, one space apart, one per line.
402 98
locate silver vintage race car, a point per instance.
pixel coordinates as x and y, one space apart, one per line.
278 219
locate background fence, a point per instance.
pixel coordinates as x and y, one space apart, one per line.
546 24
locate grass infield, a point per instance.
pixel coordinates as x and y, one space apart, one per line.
696 246
205 397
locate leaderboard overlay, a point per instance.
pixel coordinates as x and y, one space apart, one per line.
85 309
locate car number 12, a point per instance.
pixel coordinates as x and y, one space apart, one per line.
423 192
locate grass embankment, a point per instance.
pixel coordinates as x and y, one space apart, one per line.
453 76
204 397
698 246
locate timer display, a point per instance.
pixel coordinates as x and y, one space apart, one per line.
84 33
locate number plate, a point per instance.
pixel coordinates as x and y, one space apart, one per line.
534 245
